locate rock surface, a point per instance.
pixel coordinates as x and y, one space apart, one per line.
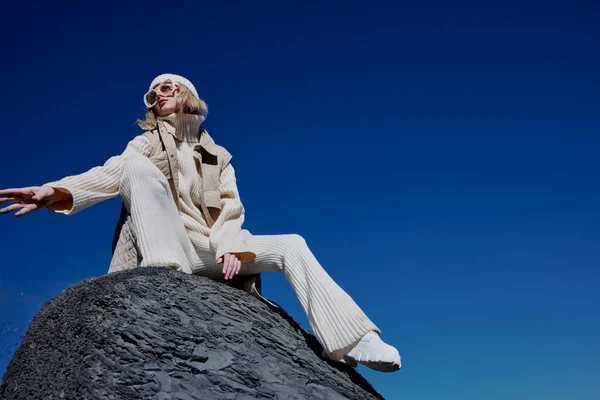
153 333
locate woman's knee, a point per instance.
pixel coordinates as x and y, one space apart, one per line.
138 167
281 247
293 243
296 240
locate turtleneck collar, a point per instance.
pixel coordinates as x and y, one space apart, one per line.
185 127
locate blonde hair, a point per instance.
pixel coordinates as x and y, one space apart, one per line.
187 103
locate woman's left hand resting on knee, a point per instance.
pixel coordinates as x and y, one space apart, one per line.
231 265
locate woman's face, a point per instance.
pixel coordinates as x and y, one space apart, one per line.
166 101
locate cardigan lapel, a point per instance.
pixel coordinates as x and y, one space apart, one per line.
168 142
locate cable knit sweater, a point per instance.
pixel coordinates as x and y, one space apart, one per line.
102 183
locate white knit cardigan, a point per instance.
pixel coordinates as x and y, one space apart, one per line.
101 183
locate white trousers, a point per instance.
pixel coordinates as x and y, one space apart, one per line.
336 320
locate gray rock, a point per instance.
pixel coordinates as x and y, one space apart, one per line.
153 333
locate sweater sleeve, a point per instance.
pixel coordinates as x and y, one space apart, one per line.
99 183
227 235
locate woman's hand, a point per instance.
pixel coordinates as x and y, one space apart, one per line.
231 265
26 199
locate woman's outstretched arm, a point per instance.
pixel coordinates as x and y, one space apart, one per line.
97 184
226 235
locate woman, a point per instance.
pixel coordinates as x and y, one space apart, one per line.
184 212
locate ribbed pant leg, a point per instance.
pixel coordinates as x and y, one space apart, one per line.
334 317
158 228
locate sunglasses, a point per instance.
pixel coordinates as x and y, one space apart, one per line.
165 88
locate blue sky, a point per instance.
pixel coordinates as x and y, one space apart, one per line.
441 161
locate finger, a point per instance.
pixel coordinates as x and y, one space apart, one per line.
236 267
25 210
7 199
16 197
239 266
230 266
226 265
219 260
233 267
10 208
17 192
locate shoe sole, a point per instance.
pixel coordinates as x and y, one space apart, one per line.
381 366
366 359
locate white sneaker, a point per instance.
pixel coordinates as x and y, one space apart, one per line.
375 353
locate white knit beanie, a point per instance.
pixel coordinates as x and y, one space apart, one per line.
177 79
